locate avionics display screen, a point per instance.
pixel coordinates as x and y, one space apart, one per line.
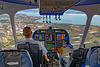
48 37
36 37
50 46
39 37
60 36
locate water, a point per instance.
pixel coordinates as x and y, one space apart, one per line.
70 19
77 19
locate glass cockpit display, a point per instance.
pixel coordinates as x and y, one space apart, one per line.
39 37
36 37
52 38
48 37
50 46
58 36
62 36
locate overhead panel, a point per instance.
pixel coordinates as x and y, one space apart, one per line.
53 7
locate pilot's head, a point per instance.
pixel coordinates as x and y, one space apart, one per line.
27 32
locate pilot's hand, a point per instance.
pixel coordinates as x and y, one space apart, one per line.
48 60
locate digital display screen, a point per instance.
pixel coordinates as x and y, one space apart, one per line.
58 36
48 37
36 34
36 37
62 36
41 37
50 46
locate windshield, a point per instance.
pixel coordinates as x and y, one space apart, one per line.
72 21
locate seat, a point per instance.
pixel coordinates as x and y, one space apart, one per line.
15 58
78 58
93 57
35 52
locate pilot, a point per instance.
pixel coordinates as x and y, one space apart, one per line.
28 34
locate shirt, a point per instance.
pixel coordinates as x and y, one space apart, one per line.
32 41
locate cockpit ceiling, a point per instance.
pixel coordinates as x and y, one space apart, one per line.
23 2
87 2
86 6
32 2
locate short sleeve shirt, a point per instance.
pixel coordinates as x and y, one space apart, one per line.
32 41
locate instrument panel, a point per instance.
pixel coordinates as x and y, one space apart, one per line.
53 7
52 38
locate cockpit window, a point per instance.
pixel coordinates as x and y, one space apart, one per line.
6 35
72 21
93 37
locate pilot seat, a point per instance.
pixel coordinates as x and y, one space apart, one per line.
93 57
35 52
78 57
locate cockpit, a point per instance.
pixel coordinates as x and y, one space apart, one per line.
70 43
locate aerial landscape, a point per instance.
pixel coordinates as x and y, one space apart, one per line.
22 20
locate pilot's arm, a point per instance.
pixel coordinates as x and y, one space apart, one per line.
46 58
44 51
